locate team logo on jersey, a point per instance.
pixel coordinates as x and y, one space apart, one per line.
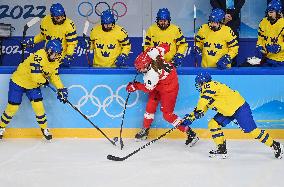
111 46
211 53
100 46
207 44
105 54
218 46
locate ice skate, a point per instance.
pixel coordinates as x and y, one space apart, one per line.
221 152
278 149
2 130
46 134
142 135
192 138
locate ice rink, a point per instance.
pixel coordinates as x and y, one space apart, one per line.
83 162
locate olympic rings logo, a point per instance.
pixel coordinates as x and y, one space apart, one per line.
105 103
86 9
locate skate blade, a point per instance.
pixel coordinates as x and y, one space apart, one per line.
141 139
194 141
219 156
282 151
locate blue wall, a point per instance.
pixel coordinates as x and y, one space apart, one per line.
100 94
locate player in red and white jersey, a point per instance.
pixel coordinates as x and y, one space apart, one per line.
161 82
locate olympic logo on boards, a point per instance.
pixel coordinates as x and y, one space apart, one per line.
87 9
102 105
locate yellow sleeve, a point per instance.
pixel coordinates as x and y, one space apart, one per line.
148 39
199 110
71 38
199 38
55 80
124 42
181 43
40 37
233 45
36 70
261 36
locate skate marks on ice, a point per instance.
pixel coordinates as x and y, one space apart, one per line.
82 162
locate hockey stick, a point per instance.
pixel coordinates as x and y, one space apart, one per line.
194 30
86 27
26 27
122 121
116 158
115 139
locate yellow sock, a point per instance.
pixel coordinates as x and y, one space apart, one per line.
216 132
8 114
262 136
40 113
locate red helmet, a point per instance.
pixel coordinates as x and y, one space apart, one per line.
142 61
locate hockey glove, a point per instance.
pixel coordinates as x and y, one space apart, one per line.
120 60
28 42
85 44
131 87
66 61
177 60
259 52
224 61
62 95
197 54
187 120
274 48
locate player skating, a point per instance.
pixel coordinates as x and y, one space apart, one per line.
161 83
229 105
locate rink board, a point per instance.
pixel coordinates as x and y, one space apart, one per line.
101 94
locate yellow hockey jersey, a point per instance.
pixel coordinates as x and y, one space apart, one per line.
34 71
272 34
108 46
219 97
65 32
172 36
215 44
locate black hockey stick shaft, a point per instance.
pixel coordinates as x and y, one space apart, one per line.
74 107
122 121
115 158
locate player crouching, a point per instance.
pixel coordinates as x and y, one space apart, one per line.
30 75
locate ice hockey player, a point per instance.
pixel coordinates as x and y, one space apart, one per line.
161 83
110 42
216 43
57 26
229 105
30 75
163 31
270 43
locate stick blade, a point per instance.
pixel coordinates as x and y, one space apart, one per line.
114 158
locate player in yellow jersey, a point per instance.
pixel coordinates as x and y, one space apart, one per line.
57 26
163 31
30 75
110 42
229 105
270 43
216 43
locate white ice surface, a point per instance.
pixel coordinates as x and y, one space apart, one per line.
83 162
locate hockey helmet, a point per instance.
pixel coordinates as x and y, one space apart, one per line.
217 15
107 17
57 10
274 5
163 14
142 61
54 46
201 78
